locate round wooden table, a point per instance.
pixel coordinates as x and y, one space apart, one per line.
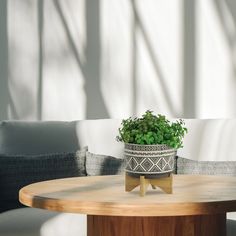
197 206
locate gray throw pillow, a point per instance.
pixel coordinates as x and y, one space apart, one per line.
97 164
16 171
187 166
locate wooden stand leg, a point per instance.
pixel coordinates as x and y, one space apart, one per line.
130 183
143 185
165 183
199 225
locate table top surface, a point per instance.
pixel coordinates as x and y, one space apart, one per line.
105 195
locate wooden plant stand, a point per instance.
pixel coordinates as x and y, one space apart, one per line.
164 183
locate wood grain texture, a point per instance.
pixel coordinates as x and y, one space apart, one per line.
106 195
203 225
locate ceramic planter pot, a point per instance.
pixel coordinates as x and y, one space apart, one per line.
149 159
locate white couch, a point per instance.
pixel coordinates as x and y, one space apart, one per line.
206 140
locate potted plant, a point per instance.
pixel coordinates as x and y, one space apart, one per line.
151 143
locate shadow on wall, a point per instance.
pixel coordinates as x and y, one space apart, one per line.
90 68
95 105
40 6
138 25
226 11
4 91
189 59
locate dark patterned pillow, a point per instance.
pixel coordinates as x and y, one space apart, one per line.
103 165
20 170
187 166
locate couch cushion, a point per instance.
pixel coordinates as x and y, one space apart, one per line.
21 137
103 165
100 136
209 140
187 166
38 222
17 171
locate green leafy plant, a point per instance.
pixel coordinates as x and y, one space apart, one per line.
151 129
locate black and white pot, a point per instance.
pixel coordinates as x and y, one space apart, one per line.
149 159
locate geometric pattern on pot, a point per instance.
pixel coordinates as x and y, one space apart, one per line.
150 165
149 159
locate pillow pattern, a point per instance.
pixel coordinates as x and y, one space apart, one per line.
97 164
187 166
20 170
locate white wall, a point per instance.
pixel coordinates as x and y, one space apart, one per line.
76 59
